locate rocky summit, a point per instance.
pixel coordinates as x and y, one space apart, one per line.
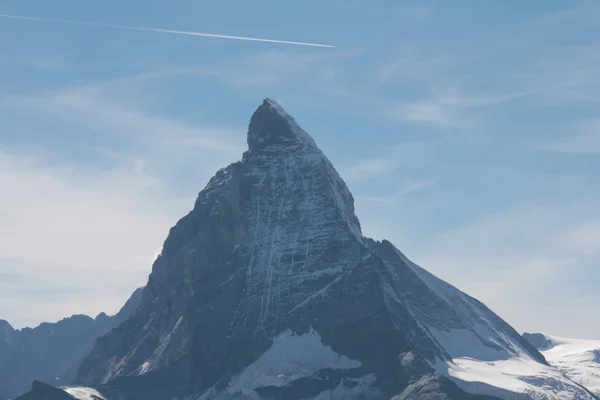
268 289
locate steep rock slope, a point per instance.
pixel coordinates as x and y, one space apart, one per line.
51 352
577 358
268 289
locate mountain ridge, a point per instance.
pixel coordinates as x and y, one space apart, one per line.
51 352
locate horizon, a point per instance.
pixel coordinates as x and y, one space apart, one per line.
474 154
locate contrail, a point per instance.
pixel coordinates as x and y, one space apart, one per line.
133 28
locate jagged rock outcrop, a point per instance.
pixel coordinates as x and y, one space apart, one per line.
434 387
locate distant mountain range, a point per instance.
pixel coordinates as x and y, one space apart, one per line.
52 352
267 289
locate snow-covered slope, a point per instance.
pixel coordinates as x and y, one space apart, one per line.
578 359
485 355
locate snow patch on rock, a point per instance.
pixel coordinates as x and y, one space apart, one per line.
84 393
290 357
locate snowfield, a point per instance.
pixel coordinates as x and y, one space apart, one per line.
289 358
516 378
487 360
578 359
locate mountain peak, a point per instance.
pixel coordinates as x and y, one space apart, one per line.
276 107
272 128
268 289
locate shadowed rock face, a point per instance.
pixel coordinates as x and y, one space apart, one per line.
43 391
51 352
435 387
538 340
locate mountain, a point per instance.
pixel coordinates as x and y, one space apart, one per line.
52 352
268 289
577 358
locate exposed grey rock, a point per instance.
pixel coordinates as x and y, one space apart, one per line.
538 340
128 309
52 352
43 391
7 338
435 387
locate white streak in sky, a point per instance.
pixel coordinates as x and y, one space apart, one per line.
133 28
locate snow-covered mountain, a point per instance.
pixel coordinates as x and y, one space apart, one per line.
268 289
51 352
577 358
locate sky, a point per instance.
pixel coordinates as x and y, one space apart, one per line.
467 131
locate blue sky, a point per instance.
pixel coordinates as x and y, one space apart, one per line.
468 132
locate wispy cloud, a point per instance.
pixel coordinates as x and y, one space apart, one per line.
77 235
510 258
100 107
409 64
581 13
277 68
119 121
402 188
368 168
584 139
430 111
96 228
455 106
462 87
388 160
53 63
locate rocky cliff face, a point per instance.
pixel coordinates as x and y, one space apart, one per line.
268 289
51 352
